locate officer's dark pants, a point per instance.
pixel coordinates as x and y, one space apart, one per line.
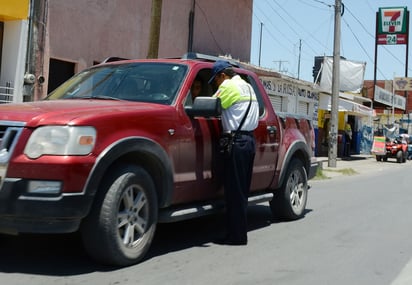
238 169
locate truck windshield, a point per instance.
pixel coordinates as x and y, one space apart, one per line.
141 82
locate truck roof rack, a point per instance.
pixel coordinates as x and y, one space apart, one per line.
206 57
114 58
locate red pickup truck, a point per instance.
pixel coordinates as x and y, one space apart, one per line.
120 147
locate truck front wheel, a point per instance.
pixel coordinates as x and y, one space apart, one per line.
289 201
120 228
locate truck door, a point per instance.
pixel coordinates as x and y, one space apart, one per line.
267 142
196 171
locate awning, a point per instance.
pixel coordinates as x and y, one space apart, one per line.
351 107
14 10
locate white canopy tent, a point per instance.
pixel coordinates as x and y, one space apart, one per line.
345 105
350 79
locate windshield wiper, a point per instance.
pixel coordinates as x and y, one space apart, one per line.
99 97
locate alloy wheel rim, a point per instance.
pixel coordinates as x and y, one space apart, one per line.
132 217
296 190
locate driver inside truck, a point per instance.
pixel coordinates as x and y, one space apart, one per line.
195 91
196 88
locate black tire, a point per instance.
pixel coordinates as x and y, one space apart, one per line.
385 158
120 228
378 158
399 156
289 201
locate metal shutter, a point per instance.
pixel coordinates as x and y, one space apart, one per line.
303 108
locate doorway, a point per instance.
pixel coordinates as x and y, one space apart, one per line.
59 72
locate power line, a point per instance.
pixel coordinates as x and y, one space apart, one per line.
269 32
373 37
360 44
275 27
305 2
309 36
270 26
324 3
297 23
270 13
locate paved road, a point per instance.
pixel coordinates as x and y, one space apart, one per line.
358 165
357 230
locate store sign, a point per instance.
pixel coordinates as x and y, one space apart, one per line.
14 10
291 96
402 83
282 87
385 97
392 26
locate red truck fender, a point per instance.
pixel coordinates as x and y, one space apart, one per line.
147 153
298 149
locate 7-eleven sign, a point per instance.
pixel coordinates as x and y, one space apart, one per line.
392 25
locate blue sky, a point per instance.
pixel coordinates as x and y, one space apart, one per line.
286 23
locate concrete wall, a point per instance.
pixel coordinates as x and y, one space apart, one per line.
224 27
86 31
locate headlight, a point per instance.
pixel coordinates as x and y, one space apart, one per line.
61 140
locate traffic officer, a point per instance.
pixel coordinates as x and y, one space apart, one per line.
238 101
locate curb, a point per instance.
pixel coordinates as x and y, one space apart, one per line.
353 165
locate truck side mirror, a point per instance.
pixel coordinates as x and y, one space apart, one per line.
205 107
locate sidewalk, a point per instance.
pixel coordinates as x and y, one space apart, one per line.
356 164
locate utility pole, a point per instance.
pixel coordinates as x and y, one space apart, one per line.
37 51
260 41
333 143
155 29
280 65
393 100
191 27
300 50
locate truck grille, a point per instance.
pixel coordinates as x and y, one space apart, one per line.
9 134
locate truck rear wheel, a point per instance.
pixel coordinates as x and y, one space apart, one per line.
122 222
289 202
399 156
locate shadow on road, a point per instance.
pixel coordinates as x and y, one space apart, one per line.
203 231
64 255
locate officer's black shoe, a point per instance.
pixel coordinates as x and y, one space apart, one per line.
230 241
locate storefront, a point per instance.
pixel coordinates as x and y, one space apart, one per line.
14 10
390 121
13 48
350 111
292 96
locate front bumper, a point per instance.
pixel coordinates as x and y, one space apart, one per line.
23 213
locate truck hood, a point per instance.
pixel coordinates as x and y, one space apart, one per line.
63 112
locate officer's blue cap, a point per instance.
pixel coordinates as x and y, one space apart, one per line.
218 67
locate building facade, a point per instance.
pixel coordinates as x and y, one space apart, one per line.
390 111
53 40
13 48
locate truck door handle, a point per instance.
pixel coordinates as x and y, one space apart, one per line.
271 129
